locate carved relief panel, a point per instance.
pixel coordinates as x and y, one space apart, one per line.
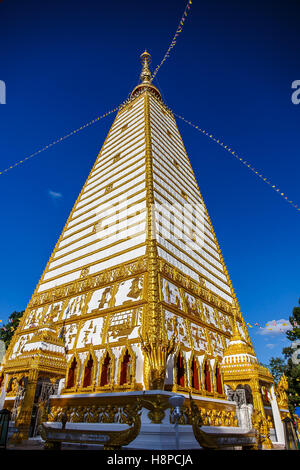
124 325
100 299
68 333
225 322
171 293
34 317
129 291
199 339
216 343
182 327
20 344
90 333
53 311
193 305
210 316
75 307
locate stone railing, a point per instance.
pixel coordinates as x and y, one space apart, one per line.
92 414
209 417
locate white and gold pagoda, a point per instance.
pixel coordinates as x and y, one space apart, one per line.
136 288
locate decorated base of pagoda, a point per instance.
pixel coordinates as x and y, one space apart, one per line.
99 412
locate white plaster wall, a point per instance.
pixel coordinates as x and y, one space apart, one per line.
138 175
113 250
124 200
115 260
127 160
115 232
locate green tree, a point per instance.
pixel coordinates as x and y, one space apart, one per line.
277 367
290 364
7 331
292 368
293 364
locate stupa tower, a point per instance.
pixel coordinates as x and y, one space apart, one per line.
136 287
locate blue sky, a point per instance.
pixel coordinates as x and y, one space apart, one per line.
64 63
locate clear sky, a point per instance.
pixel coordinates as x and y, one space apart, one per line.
66 62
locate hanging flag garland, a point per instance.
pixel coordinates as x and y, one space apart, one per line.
273 325
244 162
59 140
174 40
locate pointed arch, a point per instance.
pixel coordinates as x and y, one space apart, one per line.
194 373
180 369
73 369
126 373
106 368
218 379
89 370
207 375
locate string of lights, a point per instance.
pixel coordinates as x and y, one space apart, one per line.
174 40
241 160
90 123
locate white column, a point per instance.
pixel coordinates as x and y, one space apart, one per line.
245 416
61 385
277 418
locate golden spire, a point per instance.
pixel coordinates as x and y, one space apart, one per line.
236 335
145 77
237 344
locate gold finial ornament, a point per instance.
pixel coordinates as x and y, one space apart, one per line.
236 336
145 77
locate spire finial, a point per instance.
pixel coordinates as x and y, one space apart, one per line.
145 76
235 332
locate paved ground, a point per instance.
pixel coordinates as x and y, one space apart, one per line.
38 444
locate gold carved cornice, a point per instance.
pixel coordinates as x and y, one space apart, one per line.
196 288
91 282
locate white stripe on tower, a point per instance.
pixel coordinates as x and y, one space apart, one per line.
184 235
107 225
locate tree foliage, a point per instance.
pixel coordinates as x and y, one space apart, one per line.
277 367
289 365
7 331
